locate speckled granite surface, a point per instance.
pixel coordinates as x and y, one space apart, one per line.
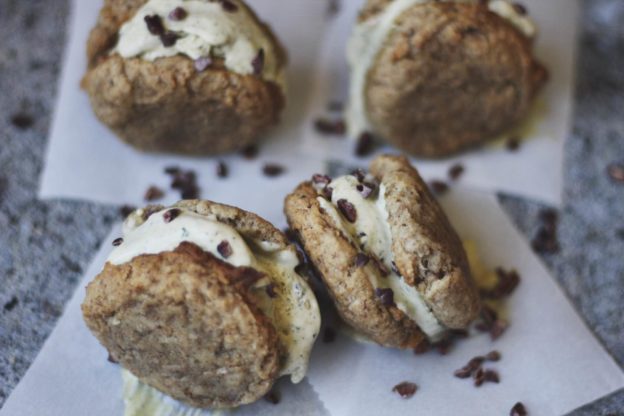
44 246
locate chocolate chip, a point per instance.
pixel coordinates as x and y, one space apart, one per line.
438 187
22 121
329 335
513 144
518 410
422 348
361 260
228 6
616 172
126 210
348 210
154 25
177 14
359 174
222 170
225 249
328 192
258 62
405 389
184 181
171 215
169 39
386 296
365 145
493 356
272 170
330 127
272 397
153 193
117 242
319 179
250 152
270 291
520 9
456 171
202 63
366 189
11 304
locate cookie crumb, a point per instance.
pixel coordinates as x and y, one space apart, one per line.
154 24
405 389
518 410
225 249
272 170
153 193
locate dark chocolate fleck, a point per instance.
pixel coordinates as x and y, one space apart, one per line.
272 397
250 152
153 193
361 260
258 62
228 6
365 145
11 304
202 63
386 296
169 39
616 172
272 170
438 187
222 170
22 121
518 410
456 171
405 389
225 249
359 174
154 25
347 210
493 356
366 189
328 192
498 328
172 214
478 377
117 242
329 127
329 335
545 241
422 348
177 14
319 179
491 376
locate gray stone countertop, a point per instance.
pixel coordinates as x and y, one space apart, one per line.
45 246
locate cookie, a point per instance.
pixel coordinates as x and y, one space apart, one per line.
437 78
392 263
202 302
195 78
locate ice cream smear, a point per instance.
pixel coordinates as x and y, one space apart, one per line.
369 36
201 29
289 302
371 232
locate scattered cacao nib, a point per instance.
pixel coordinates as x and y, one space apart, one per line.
491 376
438 187
250 152
172 170
126 210
456 171
478 377
365 145
272 170
184 181
117 242
459 333
513 144
493 356
329 127
329 335
171 214
328 192
228 6
443 346
202 63
153 193
272 397
422 348
505 285
518 410
11 304
520 9
470 368
258 62
361 260
498 328
549 217
347 210
225 249
335 106
545 241
177 14
359 174
169 39
366 189
270 291
386 296
111 359
154 25
222 170
22 121
405 389
319 179
616 172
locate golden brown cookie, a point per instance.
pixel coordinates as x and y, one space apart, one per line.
202 302
447 77
169 105
391 261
